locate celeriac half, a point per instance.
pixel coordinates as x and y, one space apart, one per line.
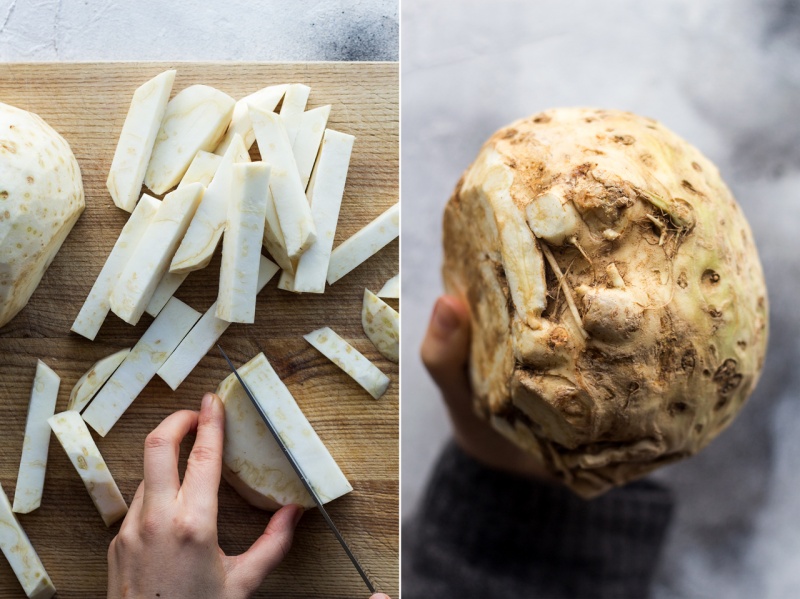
77 441
94 378
150 259
381 323
265 99
195 119
349 359
253 463
159 341
21 555
137 138
33 464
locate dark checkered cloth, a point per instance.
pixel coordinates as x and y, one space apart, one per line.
481 534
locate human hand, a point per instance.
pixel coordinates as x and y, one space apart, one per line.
167 546
445 353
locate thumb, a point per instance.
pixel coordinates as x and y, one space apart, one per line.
445 349
379 596
252 567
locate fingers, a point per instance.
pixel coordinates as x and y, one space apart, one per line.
445 349
161 453
201 482
135 510
269 550
379 596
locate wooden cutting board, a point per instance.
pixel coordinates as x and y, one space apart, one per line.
87 104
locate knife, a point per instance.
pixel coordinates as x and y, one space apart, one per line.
300 473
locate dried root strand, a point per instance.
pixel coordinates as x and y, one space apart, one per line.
565 287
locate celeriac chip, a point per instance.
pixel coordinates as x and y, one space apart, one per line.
94 378
381 323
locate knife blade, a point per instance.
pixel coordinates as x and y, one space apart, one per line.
296 467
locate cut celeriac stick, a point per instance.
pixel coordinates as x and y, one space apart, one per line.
201 240
273 237
391 288
89 384
265 99
286 282
241 248
364 244
204 335
33 464
294 213
305 145
348 358
147 356
21 555
136 141
325 193
381 323
96 307
195 119
202 169
77 441
253 463
150 260
167 287
295 100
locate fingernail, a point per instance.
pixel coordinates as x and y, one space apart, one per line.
208 401
445 320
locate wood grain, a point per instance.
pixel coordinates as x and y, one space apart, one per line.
87 104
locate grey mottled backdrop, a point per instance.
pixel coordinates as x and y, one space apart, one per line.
725 74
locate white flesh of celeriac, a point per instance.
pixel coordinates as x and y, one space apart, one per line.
286 282
33 464
202 169
167 287
364 244
136 141
306 143
96 307
195 119
325 192
348 358
21 555
273 237
265 99
201 240
89 384
381 323
241 248
147 356
204 335
253 463
150 260
77 441
294 213
295 100
391 288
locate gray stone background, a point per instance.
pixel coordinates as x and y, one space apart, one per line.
725 74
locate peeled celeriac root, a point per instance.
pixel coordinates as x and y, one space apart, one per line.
273 237
77 441
305 145
33 464
241 248
96 307
265 99
21 555
204 335
208 224
202 169
391 289
286 282
364 244
89 384
195 120
295 100
253 463
167 287
349 359
159 341
136 141
151 257
381 323
294 213
325 191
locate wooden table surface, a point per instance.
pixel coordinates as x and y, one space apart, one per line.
87 104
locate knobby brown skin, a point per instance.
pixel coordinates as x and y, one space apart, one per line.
617 302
